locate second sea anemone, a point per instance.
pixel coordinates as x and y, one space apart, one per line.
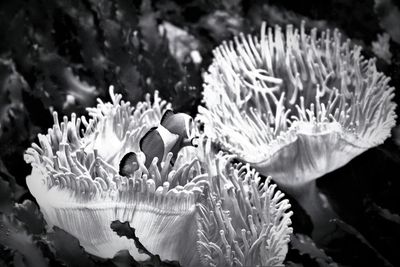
295 105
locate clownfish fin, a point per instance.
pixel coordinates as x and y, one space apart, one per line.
128 164
167 115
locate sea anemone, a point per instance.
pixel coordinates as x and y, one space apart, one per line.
245 222
295 106
76 183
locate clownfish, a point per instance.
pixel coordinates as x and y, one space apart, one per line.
173 133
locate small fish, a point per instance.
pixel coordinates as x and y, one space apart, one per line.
173 133
128 164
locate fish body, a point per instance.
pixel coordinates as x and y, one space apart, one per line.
157 142
172 134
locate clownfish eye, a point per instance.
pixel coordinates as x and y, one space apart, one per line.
195 141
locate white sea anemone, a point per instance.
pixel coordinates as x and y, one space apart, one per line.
245 222
76 183
294 105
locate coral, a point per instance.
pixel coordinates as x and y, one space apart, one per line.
183 46
381 47
13 236
389 15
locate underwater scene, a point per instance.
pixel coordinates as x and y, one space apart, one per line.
199 133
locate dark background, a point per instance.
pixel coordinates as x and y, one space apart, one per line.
62 55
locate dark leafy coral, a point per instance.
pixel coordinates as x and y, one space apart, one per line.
14 236
306 246
67 248
29 212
